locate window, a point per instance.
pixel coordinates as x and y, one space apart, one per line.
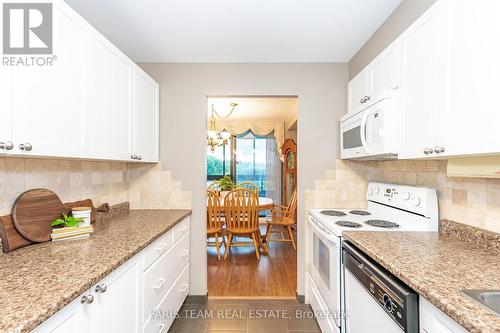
248 157
219 161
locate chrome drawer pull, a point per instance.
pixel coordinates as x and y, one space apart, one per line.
162 282
186 286
184 253
162 247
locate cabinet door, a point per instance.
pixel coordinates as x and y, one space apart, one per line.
358 89
5 108
73 318
432 320
422 92
383 72
473 113
117 308
109 102
49 101
146 117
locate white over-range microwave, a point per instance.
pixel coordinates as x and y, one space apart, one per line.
371 133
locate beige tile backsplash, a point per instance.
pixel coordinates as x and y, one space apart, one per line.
111 182
473 201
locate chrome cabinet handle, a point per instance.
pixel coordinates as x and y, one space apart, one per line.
159 285
438 150
364 99
87 299
7 145
26 146
428 151
185 287
101 288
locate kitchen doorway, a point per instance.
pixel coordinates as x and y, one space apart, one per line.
251 147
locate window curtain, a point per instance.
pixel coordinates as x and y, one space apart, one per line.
276 129
273 170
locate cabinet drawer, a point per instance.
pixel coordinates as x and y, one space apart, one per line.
169 305
157 248
160 276
181 228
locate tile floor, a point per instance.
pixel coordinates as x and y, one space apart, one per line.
244 315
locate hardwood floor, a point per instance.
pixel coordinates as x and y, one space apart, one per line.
275 274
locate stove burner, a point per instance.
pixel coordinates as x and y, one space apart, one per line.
348 224
360 212
382 224
333 213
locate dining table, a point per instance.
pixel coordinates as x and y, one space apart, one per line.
264 205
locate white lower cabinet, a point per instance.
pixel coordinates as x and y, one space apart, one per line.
432 320
116 300
136 297
73 318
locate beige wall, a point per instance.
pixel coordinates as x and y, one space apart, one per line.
321 89
402 17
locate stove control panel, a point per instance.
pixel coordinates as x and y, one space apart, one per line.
419 200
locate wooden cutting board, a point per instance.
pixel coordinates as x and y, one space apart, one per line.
34 211
11 240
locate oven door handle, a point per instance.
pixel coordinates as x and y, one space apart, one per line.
324 233
362 131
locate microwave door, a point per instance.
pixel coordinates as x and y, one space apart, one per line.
351 139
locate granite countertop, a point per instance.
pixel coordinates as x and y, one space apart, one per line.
438 267
38 280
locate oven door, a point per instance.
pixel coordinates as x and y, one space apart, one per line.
325 268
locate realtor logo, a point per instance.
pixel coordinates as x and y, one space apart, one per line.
27 28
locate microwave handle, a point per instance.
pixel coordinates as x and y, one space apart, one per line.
362 132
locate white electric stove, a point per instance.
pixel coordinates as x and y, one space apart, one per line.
390 208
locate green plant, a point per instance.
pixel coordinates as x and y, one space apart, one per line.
67 221
227 184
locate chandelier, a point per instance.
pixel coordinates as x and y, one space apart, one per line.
216 139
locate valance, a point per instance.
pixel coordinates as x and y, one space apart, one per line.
257 128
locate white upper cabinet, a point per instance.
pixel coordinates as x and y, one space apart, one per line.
421 93
359 89
84 104
445 69
376 80
6 144
384 72
473 110
145 134
110 79
49 113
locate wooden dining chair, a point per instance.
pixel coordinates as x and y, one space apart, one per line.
242 218
248 185
283 216
215 221
215 186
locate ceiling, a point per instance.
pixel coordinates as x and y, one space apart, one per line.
237 30
255 108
